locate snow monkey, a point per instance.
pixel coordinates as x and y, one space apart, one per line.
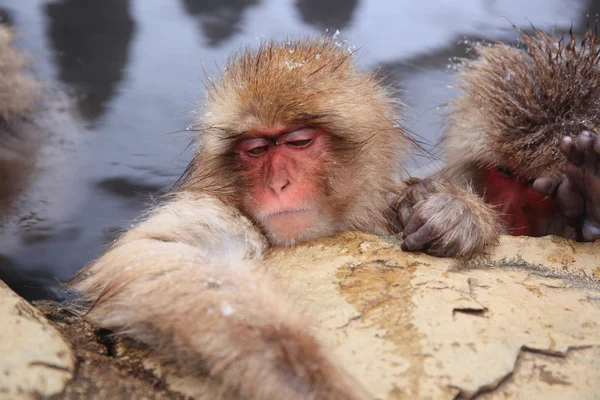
295 143
524 133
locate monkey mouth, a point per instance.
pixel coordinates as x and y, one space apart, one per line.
300 211
287 226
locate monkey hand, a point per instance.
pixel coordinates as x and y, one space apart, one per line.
444 220
578 193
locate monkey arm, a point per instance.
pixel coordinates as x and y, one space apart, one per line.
445 220
185 283
578 193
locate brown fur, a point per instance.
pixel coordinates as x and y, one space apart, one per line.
462 225
186 282
309 83
516 104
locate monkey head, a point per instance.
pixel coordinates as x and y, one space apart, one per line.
299 140
516 106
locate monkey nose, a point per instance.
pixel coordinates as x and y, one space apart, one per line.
279 185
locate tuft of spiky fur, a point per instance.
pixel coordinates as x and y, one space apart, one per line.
517 103
303 83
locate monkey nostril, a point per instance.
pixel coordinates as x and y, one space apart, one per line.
279 186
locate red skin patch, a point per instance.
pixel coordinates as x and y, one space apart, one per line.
522 209
282 168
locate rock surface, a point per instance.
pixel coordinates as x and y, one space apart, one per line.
521 322
34 359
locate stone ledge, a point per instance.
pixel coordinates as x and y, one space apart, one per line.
519 322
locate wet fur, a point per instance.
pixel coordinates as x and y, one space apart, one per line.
186 280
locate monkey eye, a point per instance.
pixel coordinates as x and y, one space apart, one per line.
299 143
254 147
300 138
504 170
257 151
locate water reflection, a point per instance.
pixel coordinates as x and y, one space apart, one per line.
137 65
327 14
91 41
5 17
31 283
219 19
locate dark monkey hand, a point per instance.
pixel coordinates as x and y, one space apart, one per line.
578 193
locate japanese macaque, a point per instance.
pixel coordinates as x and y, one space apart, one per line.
294 144
522 133
17 144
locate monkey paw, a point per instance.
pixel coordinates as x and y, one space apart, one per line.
578 193
446 221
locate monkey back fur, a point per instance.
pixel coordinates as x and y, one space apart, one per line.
517 103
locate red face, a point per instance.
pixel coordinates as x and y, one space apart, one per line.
522 209
284 174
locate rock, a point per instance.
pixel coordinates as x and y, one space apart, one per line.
107 367
520 322
34 358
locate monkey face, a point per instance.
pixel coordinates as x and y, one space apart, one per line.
300 141
282 171
521 208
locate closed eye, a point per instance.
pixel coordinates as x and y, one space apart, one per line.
253 147
504 170
257 151
300 138
299 143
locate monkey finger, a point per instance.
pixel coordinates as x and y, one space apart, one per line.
570 199
443 251
571 150
419 239
415 222
597 147
596 150
590 230
546 186
576 176
592 196
586 141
